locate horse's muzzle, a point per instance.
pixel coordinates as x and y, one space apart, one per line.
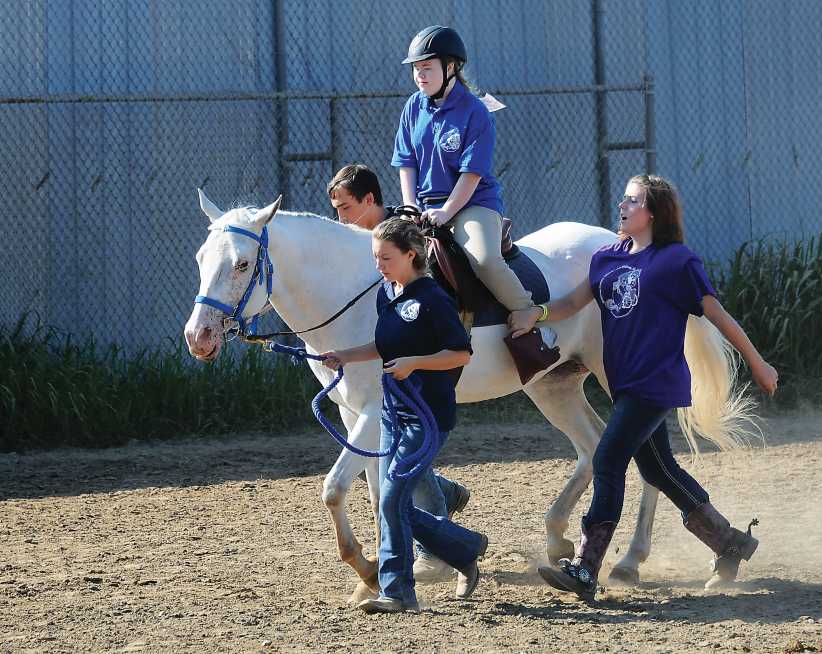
203 343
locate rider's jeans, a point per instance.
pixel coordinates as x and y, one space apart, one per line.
433 493
401 522
637 430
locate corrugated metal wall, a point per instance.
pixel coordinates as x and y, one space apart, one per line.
113 111
738 87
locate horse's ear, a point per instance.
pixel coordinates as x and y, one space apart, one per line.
265 214
209 208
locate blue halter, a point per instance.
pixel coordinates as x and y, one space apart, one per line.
235 324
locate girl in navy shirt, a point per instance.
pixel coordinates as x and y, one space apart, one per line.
646 286
420 338
444 149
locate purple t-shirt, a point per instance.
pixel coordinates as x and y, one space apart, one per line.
644 301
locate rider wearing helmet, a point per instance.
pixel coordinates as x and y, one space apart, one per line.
444 150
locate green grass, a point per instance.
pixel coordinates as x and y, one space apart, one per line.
774 290
55 391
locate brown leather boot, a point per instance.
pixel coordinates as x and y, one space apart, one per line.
729 545
580 575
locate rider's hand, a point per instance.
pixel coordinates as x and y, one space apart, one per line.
400 368
333 359
765 376
436 217
522 321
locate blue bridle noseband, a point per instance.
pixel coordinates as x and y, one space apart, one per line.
234 324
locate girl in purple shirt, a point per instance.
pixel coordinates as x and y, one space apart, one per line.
646 286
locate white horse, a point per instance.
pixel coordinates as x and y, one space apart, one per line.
320 264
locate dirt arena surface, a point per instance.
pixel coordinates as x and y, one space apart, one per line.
225 546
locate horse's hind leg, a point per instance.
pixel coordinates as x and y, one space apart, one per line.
560 397
363 431
626 571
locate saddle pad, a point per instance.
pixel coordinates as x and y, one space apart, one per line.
494 313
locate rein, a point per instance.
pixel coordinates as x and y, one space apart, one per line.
262 338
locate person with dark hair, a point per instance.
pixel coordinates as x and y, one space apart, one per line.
420 339
444 150
356 195
646 286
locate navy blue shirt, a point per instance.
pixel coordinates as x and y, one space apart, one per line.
443 142
644 300
421 320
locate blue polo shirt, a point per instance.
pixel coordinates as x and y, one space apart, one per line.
421 320
443 142
644 301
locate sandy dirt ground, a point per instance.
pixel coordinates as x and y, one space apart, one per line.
225 546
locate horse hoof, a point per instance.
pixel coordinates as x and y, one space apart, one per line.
362 592
621 576
371 580
563 550
718 583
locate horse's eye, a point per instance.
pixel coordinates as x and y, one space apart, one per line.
242 266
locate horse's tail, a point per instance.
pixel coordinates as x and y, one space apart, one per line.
720 410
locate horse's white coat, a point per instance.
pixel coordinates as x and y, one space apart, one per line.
321 264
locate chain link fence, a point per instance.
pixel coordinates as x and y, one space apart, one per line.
113 112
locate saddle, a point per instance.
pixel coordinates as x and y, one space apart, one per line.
477 305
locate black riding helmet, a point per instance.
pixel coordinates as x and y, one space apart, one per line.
439 42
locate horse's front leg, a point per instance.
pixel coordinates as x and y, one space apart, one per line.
363 431
560 398
626 571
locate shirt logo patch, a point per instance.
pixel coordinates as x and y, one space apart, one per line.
450 141
619 290
409 310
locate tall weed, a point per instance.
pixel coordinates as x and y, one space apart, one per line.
56 391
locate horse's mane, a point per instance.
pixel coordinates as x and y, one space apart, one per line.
243 215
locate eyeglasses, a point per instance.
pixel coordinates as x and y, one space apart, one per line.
632 201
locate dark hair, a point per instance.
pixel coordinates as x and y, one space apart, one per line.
359 180
662 202
406 235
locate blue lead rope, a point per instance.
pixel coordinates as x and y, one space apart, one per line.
419 460
405 468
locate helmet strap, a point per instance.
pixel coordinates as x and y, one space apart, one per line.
446 79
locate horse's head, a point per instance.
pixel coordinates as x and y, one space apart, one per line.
234 274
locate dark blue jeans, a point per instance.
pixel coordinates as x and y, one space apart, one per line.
433 493
401 522
637 430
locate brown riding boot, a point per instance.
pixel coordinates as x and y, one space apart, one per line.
729 545
580 575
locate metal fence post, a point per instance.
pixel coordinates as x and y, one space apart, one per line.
281 103
650 126
600 115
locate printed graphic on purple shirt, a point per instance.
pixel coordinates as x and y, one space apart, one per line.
645 299
619 290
